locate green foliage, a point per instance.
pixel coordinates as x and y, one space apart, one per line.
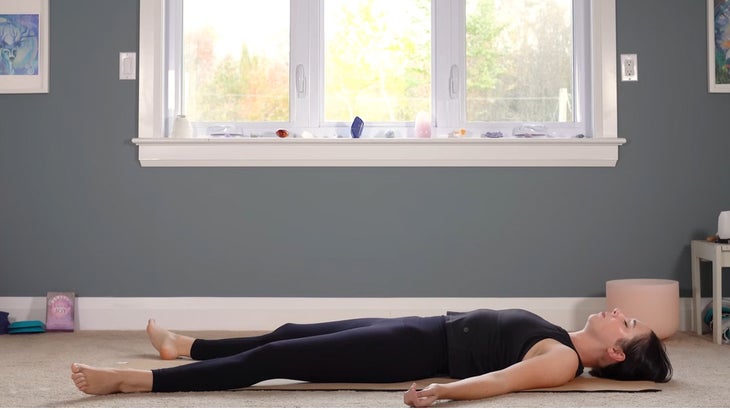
482 56
247 88
519 58
377 66
377 62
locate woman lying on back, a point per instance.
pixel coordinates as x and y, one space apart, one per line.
492 352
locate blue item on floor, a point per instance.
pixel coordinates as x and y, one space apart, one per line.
708 319
27 326
708 313
4 323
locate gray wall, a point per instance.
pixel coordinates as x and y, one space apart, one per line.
77 212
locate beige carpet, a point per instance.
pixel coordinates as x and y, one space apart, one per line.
35 373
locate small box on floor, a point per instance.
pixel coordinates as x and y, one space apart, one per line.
60 309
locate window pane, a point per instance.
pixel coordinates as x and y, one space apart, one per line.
236 60
377 57
520 60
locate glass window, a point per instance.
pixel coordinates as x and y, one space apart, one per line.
519 60
235 61
480 68
377 59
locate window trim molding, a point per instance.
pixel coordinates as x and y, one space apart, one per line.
452 152
155 150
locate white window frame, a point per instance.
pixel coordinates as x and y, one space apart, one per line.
600 150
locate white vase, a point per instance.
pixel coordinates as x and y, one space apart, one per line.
182 128
723 225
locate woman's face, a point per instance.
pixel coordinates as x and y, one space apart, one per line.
612 326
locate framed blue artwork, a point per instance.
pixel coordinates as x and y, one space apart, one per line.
718 45
23 46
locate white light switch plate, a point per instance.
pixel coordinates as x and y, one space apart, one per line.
127 66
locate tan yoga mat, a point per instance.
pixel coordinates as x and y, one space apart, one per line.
584 383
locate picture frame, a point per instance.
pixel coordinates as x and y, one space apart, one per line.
718 46
24 46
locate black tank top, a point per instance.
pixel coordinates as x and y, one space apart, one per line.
488 340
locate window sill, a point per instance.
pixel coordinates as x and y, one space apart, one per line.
506 152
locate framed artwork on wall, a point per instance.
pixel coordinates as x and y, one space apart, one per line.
24 46
718 46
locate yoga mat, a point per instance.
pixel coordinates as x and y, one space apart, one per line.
584 383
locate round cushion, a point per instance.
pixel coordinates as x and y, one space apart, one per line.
655 302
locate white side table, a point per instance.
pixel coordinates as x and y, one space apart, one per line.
719 255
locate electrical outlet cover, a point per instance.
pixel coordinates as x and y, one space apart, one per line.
629 67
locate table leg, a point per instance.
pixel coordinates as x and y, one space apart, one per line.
696 293
717 296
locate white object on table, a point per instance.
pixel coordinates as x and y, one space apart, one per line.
723 225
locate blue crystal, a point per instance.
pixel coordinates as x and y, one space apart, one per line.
357 125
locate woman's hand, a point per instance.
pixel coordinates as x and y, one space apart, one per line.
422 398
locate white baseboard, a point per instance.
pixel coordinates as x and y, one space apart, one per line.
211 313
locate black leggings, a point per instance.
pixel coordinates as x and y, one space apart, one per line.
354 351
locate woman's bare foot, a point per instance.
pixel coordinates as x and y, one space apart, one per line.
169 345
96 380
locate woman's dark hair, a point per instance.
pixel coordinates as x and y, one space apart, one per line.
646 359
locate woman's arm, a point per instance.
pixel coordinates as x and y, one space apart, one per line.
552 364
